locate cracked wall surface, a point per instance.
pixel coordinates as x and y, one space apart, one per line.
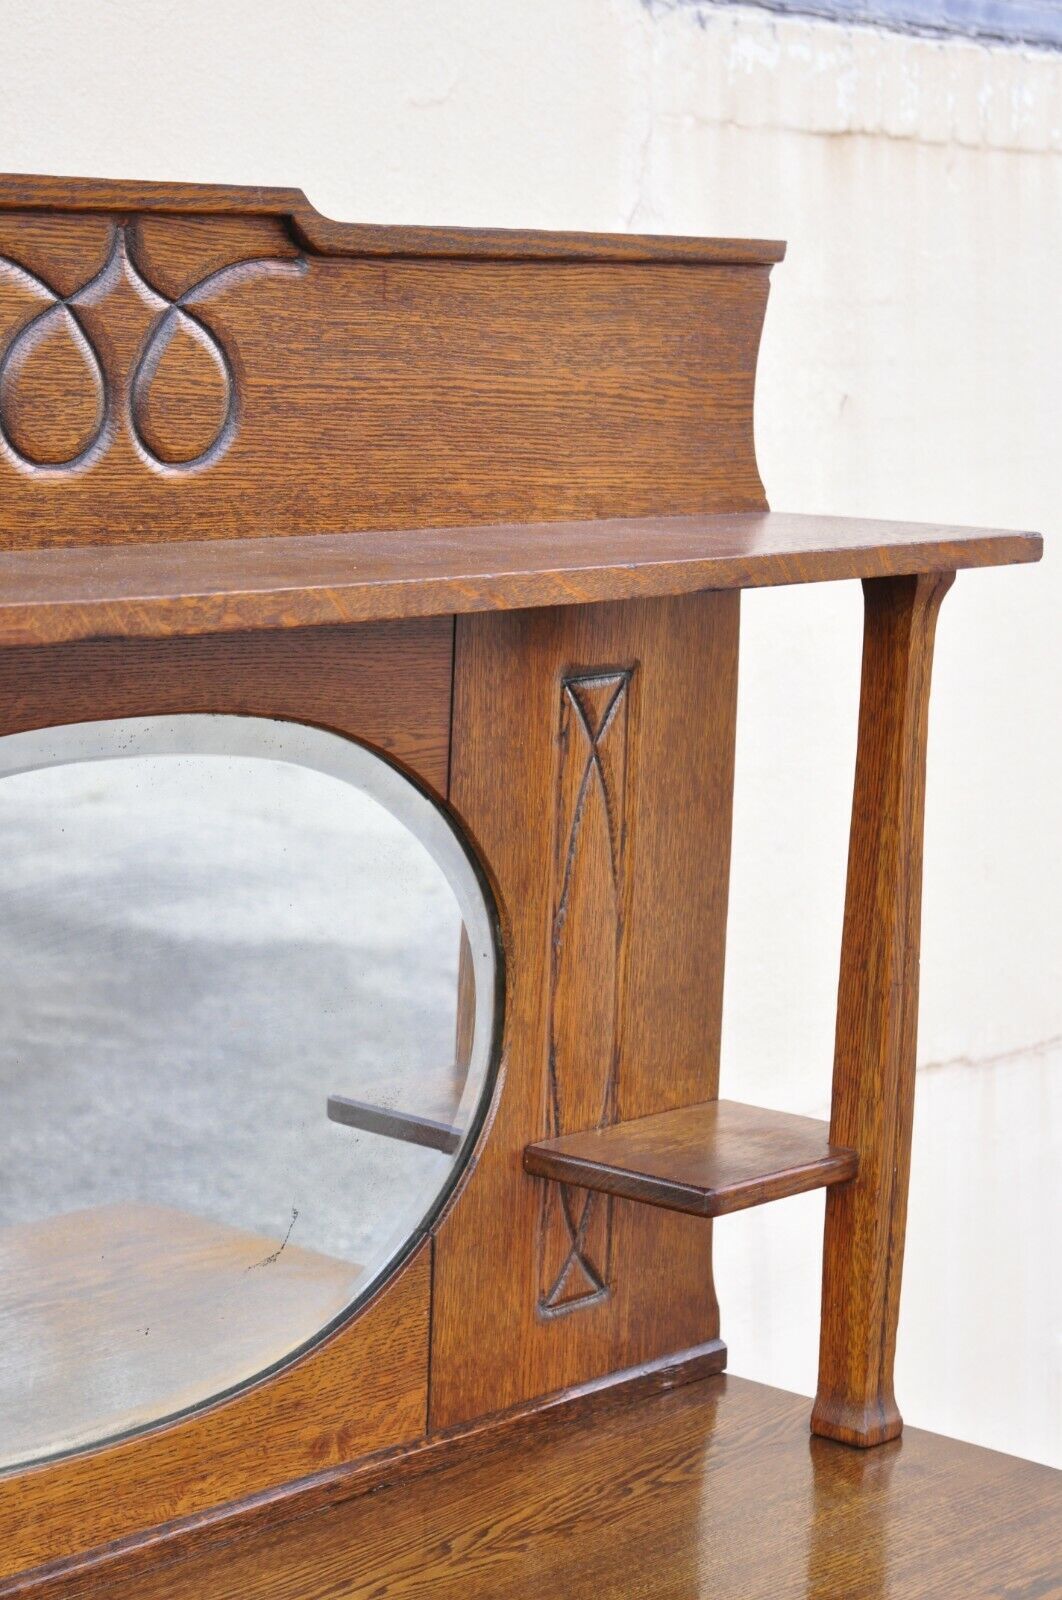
911 367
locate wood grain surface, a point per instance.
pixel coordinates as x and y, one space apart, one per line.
361 1390
493 1346
195 588
214 376
223 417
387 685
219 1525
19 191
711 1490
589 908
705 1159
877 1016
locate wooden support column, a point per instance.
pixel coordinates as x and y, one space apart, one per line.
877 1016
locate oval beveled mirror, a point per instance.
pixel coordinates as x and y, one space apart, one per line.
248 978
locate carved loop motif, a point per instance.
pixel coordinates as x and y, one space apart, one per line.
172 315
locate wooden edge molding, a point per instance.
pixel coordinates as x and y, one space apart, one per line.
176 1540
21 192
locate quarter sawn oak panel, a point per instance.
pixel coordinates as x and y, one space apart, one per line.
491 1348
211 377
385 684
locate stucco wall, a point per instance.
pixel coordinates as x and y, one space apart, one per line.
912 367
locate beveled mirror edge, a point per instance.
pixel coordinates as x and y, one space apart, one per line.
422 813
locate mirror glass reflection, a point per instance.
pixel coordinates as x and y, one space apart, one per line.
248 981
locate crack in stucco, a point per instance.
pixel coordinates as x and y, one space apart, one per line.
647 59
886 135
1034 1050
1037 1047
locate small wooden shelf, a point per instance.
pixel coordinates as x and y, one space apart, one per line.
226 585
433 1133
705 1159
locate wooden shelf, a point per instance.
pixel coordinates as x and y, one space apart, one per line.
389 1122
228 585
704 1159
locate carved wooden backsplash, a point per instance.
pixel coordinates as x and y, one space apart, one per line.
227 369
108 328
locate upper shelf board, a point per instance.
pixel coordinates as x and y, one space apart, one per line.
220 586
22 192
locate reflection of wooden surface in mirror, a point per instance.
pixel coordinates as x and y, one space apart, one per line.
103 1309
422 1106
361 1390
389 1123
433 1093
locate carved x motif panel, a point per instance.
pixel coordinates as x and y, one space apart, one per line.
587 936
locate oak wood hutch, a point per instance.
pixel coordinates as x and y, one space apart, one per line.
485 503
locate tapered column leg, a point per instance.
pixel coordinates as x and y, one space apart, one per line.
877 1016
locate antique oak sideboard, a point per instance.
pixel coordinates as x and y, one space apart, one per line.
475 508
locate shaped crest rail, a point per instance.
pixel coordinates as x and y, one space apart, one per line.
194 363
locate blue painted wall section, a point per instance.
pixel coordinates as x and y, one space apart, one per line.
1036 22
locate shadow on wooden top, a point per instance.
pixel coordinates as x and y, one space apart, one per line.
326 237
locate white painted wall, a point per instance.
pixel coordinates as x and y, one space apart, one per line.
912 367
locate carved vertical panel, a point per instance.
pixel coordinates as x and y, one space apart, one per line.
589 893
638 956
